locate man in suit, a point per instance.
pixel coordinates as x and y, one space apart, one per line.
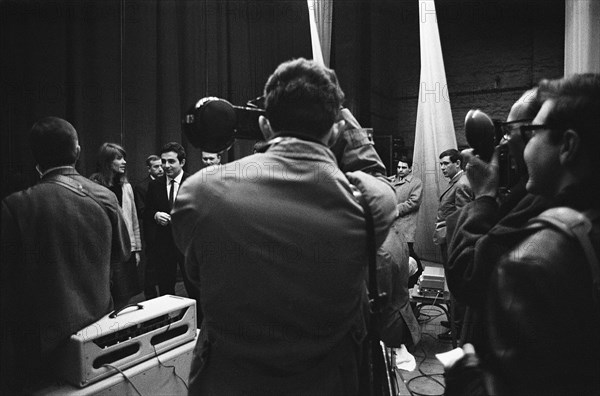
163 255
59 241
457 195
409 194
147 274
155 170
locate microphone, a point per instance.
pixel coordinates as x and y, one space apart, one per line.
480 132
213 124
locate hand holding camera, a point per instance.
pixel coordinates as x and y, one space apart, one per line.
483 176
494 155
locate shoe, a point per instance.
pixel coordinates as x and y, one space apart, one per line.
445 323
415 309
445 336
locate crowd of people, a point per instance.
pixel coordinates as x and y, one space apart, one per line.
277 262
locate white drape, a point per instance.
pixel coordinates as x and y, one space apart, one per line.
320 13
582 36
434 129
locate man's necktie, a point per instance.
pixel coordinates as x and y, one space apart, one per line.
172 193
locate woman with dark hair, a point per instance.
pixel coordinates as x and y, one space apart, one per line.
111 174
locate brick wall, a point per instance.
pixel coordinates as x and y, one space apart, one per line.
493 51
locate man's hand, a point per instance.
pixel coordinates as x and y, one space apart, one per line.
162 218
483 176
351 121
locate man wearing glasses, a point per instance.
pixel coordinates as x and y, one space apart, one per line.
541 313
477 234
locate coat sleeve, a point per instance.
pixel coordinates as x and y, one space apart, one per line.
354 151
413 202
468 267
380 197
464 195
186 217
121 243
136 240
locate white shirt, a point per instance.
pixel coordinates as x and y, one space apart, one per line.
176 187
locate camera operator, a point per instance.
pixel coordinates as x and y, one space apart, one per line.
478 235
279 258
540 311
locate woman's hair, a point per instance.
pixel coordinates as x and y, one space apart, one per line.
106 155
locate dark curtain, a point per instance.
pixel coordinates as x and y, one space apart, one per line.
124 71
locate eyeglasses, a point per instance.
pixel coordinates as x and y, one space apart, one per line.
528 131
506 127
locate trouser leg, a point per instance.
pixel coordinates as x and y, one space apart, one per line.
166 271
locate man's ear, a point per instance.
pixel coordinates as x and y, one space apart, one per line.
265 128
77 152
570 147
334 133
183 162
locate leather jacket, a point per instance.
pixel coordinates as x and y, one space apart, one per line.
542 320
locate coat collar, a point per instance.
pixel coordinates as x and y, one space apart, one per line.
59 170
452 182
293 147
407 179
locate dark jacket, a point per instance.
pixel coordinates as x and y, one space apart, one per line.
158 237
57 250
540 319
140 190
477 236
541 316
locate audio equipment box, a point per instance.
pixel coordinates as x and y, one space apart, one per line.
432 280
123 339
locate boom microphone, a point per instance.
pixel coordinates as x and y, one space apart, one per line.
213 124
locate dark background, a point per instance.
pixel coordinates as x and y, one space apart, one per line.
124 71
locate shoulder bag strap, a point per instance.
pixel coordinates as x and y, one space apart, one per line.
74 186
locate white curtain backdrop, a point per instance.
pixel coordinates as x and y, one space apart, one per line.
434 129
320 13
582 36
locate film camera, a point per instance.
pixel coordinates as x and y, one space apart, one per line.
212 124
484 134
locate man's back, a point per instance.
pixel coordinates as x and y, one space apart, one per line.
277 241
57 247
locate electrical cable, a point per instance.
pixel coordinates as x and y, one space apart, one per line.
429 317
124 375
166 366
433 312
425 375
